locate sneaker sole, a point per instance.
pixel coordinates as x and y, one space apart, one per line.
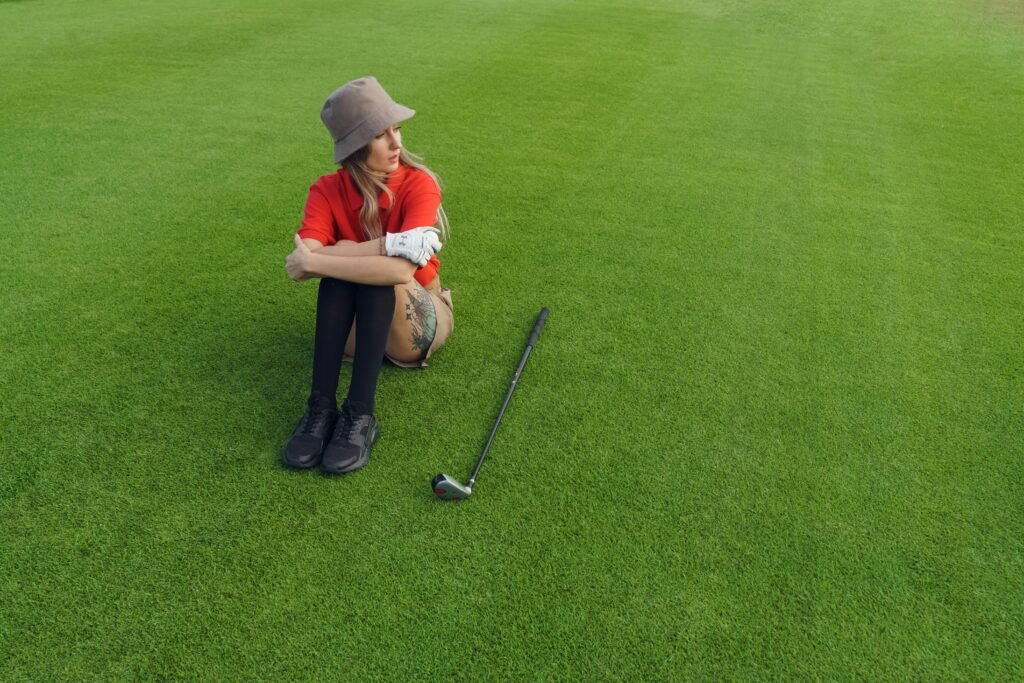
361 461
300 466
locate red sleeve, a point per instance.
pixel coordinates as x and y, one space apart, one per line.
421 210
428 272
318 221
421 204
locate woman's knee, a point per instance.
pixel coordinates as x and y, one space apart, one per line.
378 294
332 286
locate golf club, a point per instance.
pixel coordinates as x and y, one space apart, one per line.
447 488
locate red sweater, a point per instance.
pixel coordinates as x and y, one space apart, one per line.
332 210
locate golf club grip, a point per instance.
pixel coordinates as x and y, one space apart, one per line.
541 319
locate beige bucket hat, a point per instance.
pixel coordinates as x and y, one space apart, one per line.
356 112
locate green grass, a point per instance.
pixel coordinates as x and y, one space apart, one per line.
772 430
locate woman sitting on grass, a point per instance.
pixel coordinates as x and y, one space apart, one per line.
367 234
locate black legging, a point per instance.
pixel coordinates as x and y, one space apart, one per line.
338 303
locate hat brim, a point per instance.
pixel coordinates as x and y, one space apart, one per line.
366 131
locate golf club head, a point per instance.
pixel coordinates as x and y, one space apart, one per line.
447 488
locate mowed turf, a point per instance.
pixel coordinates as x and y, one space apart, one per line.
772 429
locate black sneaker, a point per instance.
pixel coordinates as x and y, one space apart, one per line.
306 446
349 448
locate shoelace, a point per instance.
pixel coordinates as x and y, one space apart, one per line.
347 425
314 422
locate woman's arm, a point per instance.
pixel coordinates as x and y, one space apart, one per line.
303 264
366 270
349 248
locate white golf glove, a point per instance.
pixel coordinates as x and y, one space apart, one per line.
416 245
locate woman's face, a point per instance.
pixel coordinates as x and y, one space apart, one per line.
384 150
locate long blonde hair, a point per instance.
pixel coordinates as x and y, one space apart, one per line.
371 184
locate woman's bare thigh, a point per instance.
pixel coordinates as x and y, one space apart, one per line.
412 327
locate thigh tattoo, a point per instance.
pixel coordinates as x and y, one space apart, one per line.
422 318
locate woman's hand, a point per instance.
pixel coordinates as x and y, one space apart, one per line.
416 245
299 262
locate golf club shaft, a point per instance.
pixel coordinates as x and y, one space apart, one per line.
515 379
